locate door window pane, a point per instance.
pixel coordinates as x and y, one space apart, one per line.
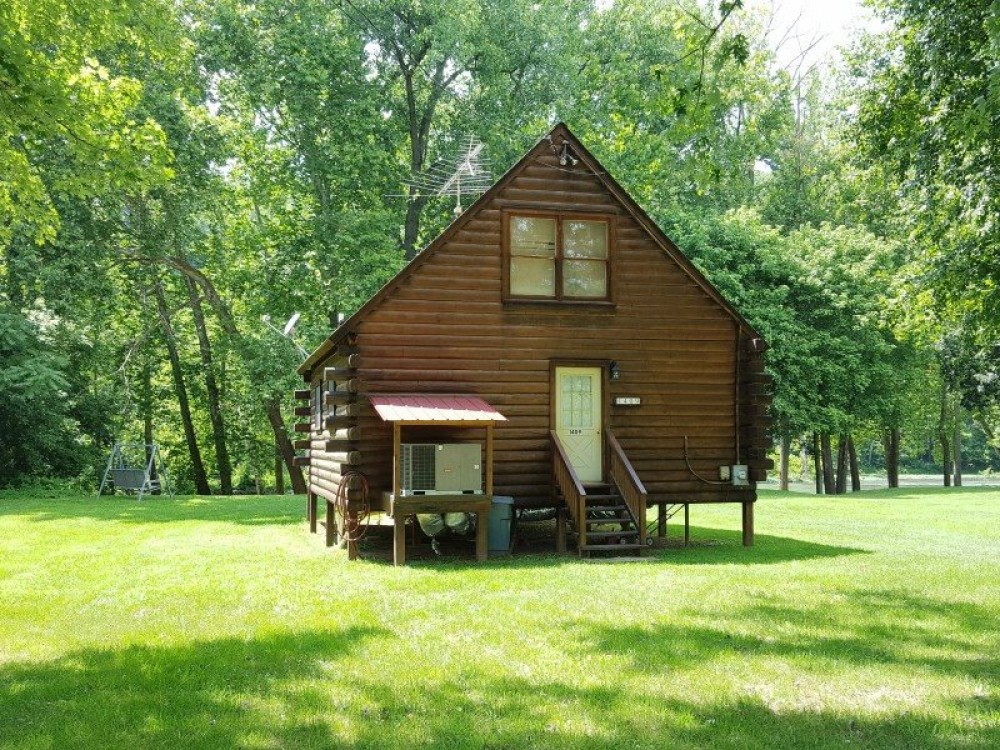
585 278
577 403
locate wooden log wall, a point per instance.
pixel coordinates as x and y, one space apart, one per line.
335 448
445 329
755 407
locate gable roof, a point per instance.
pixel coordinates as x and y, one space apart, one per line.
560 131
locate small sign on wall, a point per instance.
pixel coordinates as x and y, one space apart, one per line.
627 401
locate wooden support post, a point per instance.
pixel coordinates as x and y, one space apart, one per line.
311 511
561 529
482 518
661 520
399 539
489 459
397 466
482 551
331 520
748 523
687 524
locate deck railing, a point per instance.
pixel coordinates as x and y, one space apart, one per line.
571 487
628 484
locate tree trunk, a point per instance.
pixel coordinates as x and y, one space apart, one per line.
411 225
279 475
842 464
890 439
285 446
197 467
225 316
945 439
804 458
946 459
786 445
212 389
957 450
829 486
817 461
855 472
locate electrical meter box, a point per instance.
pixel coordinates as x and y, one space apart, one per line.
741 475
441 469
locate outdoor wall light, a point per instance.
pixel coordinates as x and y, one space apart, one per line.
565 157
615 372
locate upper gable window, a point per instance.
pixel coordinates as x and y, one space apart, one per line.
558 257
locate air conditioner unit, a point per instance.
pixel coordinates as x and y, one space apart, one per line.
441 469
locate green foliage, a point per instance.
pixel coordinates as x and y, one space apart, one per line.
929 113
59 92
45 410
265 154
817 296
679 121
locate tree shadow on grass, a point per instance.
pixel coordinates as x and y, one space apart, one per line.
710 546
859 629
322 690
490 713
249 510
200 695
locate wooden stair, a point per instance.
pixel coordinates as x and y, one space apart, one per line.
609 523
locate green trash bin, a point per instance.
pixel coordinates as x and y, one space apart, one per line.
498 528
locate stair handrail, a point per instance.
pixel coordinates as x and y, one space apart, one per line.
628 483
571 487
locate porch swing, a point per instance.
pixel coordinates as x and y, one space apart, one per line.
136 468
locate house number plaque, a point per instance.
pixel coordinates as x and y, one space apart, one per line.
628 401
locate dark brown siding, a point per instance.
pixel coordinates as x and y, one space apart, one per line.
445 329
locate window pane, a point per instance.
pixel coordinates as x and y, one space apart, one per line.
585 239
534 277
585 278
533 236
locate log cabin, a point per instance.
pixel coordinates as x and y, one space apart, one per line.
558 330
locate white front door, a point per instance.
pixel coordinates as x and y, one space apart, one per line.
578 419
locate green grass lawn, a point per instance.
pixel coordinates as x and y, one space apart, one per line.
869 622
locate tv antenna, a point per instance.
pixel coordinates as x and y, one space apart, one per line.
465 174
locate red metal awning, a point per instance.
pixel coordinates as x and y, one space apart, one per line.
427 407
